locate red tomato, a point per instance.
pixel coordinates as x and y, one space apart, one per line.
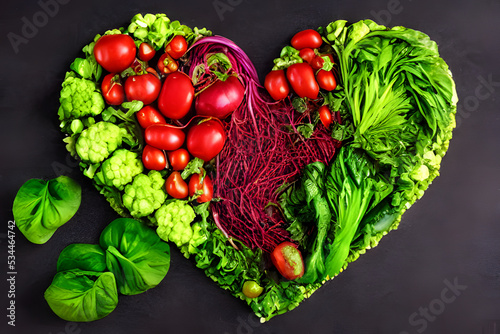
176 96
301 78
326 80
317 63
112 89
153 158
148 116
325 116
308 38
115 52
177 47
276 84
288 260
146 51
178 159
176 186
166 64
145 88
206 139
206 188
307 54
164 136
221 98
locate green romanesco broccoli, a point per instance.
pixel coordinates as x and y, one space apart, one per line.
119 169
79 98
145 194
98 141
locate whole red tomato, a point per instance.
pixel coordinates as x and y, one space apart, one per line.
326 80
177 47
308 38
112 89
307 54
301 78
317 62
164 136
176 96
202 187
176 186
276 84
288 260
325 116
144 87
178 158
115 52
146 51
148 116
206 139
153 158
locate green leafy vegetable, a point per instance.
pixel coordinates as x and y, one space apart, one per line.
85 257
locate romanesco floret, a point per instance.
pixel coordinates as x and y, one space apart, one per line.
119 169
199 237
174 222
98 141
145 194
79 98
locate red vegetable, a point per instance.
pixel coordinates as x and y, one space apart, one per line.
206 188
166 64
206 139
112 89
326 80
153 158
148 116
301 78
288 260
176 96
317 62
115 52
307 54
176 186
144 87
325 116
221 98
308 38
177 47
164 136
146 51
276 84
178 158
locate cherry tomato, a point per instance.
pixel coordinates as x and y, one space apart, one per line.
252 289
148 116
288 260
112 89
276 84
178 158
307 54
145 88
176 186
308 38
176 96
301 78
326 80
317 63
164 136
153 158
166 64
206 188
325 116
177 47
146 51
115 52
206 139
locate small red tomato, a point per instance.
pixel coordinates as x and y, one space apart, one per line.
176 186
115 52
164 136
177 47
206 139
276 84
145 88
166 64
176 96
308 38
301 78
148 116
112 89
317 63
325 116
288 260
326 80
205 188
178 158
146 51
307 54
153 158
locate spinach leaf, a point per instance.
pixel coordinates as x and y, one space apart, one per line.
135 254
82 296
85 257
41 207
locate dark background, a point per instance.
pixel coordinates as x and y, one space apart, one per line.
450 237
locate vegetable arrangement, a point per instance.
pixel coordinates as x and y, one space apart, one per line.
270 189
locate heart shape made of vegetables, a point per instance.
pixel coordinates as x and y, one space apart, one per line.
270 188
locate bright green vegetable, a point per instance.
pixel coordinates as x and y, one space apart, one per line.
85 257
135 254
41 207
98 141
87 67
145 194
120 169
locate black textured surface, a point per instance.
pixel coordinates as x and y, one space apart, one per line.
450 237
